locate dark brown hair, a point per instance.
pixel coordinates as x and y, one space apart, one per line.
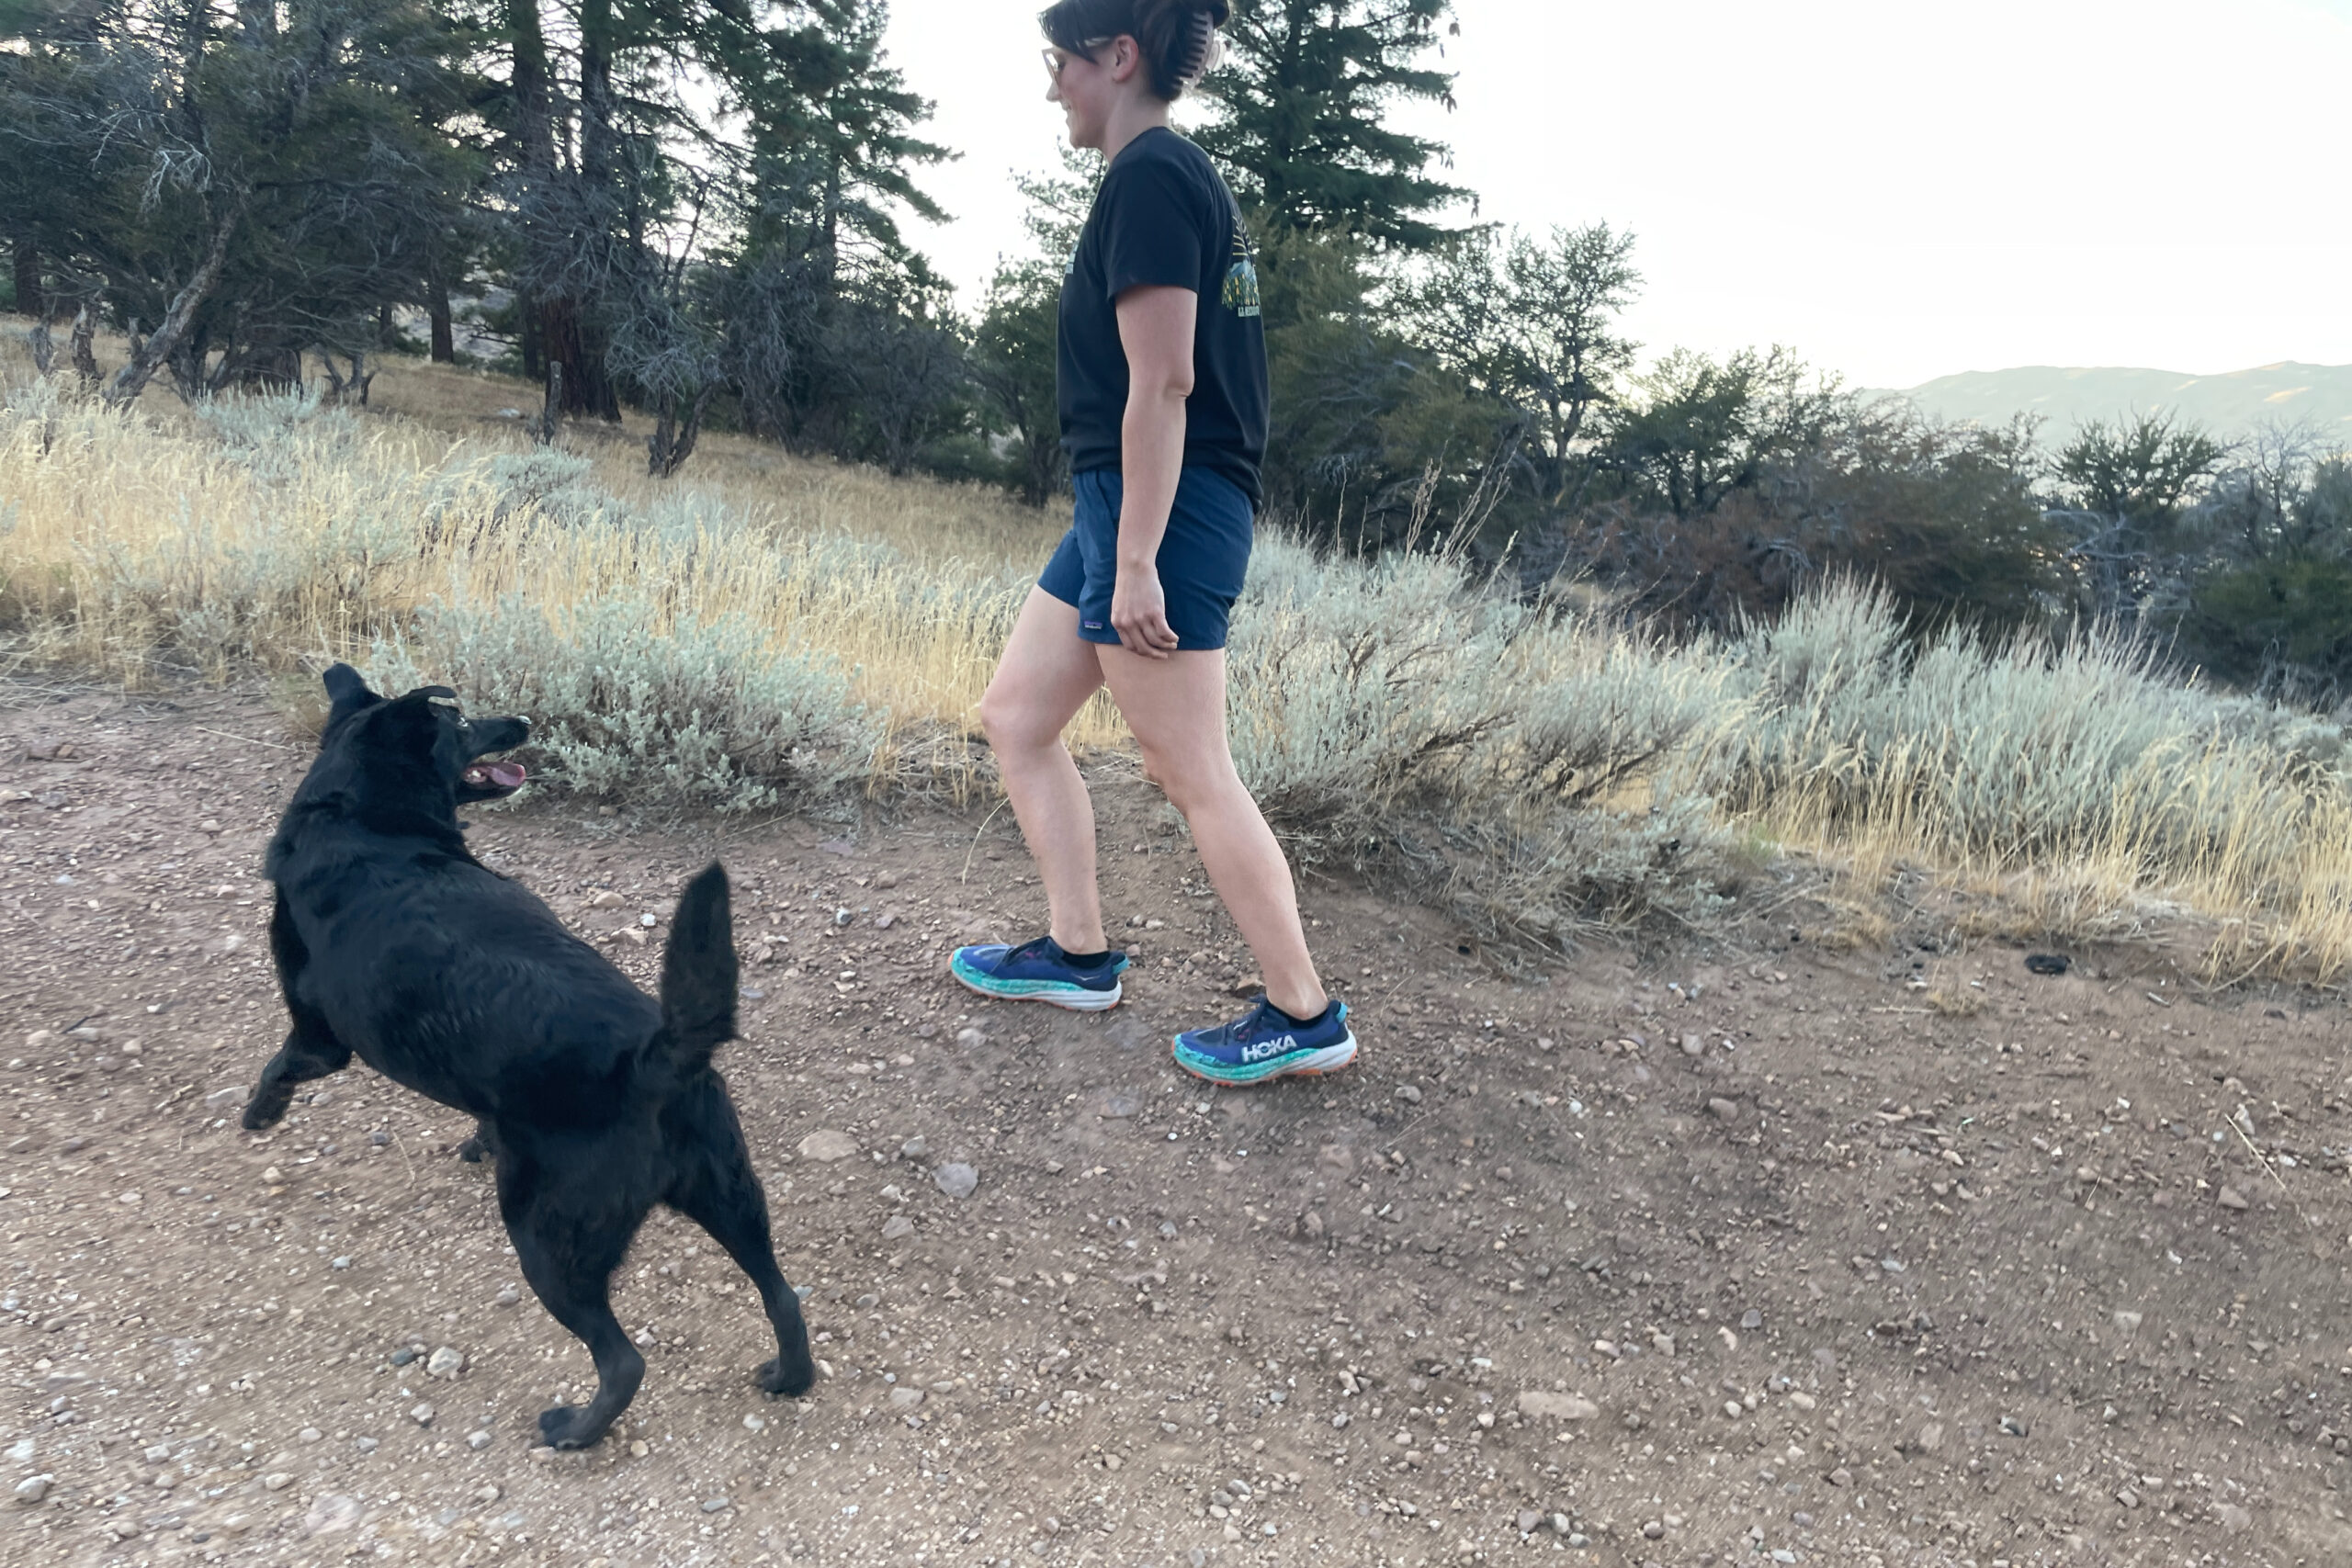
1177 36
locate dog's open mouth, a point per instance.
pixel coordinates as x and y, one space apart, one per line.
493 779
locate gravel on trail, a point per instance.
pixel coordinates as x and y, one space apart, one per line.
1916 1258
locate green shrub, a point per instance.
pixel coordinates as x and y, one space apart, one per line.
2026 750
280 435
630 703
544 481
1535 769
2281 625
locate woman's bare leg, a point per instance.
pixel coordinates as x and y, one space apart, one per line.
1045 676
1176 708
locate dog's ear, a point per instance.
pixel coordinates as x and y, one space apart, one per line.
446 693
347 692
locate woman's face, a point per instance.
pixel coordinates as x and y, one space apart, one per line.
1089 90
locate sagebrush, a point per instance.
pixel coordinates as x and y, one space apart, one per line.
1539 766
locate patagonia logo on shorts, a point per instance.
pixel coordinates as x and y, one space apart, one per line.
1093 626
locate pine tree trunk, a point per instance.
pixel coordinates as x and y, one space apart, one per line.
1281 150
587 384
1040 451
543 429
599 138
555 335
566 340
437 309
534 117
534 151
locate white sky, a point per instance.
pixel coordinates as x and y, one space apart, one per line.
1896 190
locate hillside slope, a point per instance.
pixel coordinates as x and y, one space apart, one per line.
2232 404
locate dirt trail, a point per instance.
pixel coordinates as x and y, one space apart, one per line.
1736 1258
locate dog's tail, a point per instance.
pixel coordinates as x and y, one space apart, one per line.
698 979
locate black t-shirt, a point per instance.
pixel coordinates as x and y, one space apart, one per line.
1163 216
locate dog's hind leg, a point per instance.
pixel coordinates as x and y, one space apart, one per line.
715 1187
569 1233
309 1052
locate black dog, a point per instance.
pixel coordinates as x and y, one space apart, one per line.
394 943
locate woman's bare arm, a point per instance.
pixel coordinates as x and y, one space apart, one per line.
1156 330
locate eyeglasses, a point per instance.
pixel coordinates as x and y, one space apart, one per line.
1055 58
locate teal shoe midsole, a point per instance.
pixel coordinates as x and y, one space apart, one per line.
1060 993
1327 1059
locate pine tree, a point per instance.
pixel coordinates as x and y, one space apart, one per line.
829 148
822 153
1303 131
233 189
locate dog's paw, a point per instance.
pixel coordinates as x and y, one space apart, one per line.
789 1382
565 1427
471 1151
262 1113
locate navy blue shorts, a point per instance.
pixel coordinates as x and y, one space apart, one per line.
1204 556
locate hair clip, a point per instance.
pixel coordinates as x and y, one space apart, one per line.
1206 52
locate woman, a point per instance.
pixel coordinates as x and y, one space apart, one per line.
1162 371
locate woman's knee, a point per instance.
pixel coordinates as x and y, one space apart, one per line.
1014 724
1189 781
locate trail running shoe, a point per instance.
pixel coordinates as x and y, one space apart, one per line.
1263 1045
1040 971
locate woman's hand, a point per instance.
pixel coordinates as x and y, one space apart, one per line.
1139 612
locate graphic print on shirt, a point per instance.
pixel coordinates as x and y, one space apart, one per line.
1240 294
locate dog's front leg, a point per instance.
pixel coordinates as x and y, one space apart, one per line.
309 1053
484 1142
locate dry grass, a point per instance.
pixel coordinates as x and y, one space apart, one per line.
161 544
1542 769
954 527
2095 796
757 483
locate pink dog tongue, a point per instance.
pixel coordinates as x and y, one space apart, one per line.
506 775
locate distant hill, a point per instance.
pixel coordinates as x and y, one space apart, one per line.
2230 405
